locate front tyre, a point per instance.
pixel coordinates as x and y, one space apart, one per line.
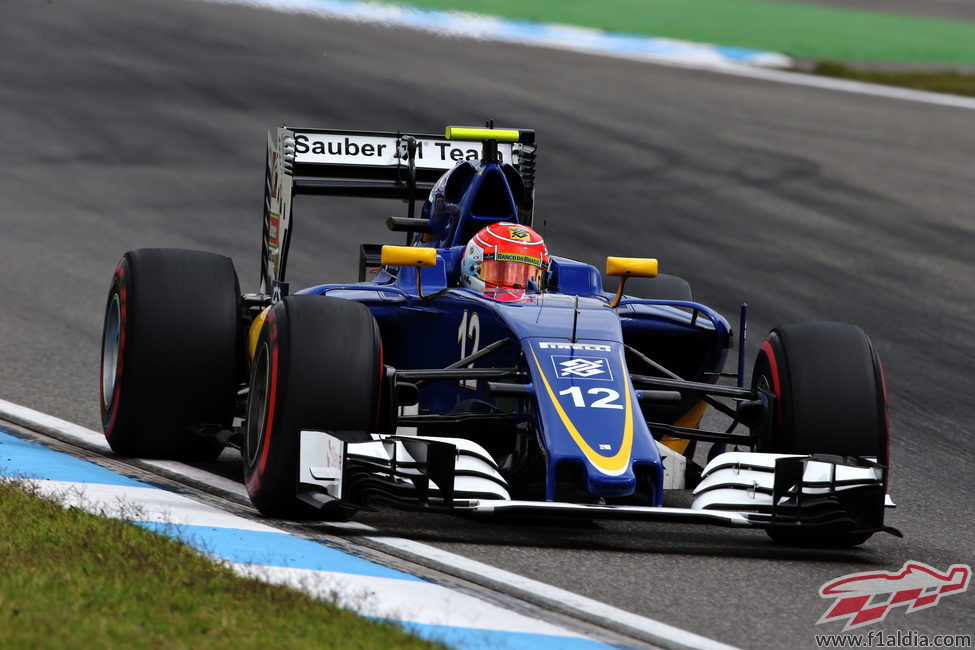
169 352
829 390
317 365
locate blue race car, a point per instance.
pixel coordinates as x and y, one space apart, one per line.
473 372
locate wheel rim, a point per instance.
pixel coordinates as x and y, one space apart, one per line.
110 350
257 405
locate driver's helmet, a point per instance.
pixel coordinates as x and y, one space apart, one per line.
505 257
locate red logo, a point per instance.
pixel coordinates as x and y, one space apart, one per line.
865 598
272 231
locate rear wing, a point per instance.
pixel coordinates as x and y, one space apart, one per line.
373 164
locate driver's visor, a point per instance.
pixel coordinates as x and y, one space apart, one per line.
510 275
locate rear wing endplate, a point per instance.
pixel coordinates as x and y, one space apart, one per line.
372 164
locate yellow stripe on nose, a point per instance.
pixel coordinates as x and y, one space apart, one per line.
610 465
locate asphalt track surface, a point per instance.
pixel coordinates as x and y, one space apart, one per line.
143 124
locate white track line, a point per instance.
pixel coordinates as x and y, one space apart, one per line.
417 602
846 86
146 504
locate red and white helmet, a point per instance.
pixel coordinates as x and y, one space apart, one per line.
505 257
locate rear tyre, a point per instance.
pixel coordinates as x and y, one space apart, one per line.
318 365
830 398
169 352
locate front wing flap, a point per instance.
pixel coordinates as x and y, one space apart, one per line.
827 493
422 472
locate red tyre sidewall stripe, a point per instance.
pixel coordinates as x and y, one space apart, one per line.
273 337
774 369
379 397
117 282
883 384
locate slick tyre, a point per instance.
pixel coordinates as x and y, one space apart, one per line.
317 365
170 352
830 398
829 389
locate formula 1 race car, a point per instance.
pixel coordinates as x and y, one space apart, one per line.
415 389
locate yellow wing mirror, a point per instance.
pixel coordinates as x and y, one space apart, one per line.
409 256
625 267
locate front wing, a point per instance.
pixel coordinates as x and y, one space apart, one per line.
825 494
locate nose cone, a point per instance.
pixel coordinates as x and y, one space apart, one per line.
588 414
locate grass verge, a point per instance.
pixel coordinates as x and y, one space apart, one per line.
945 81
70 579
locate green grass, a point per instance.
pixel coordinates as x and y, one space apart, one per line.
944 81
69 579
800 30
